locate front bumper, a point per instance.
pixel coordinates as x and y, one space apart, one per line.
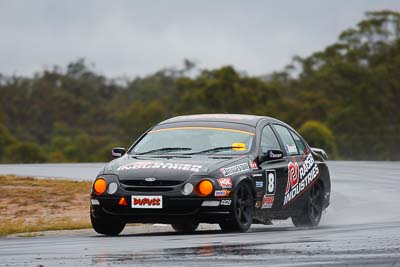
175 206
174 209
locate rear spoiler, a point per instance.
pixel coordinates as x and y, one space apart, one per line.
320 152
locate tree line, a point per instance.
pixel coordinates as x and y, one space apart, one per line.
343 98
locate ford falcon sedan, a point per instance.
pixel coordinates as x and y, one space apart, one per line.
227 169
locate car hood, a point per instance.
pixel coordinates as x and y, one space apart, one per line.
161 168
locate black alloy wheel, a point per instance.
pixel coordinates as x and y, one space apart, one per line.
242 210
312 212
106 225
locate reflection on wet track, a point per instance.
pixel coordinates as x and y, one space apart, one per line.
352 245
362 227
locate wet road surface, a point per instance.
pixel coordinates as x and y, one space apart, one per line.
361 227
76 171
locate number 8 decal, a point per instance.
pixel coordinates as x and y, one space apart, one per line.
271 182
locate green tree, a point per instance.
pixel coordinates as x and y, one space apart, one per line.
137 118
319 135
6 139
56 157
25 152
351 86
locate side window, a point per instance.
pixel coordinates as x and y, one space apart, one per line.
287 139
268 140
299 143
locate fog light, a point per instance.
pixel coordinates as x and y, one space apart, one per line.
95 202
112 188
210 203
99 186
187 189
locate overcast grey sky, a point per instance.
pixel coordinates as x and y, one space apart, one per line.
140 37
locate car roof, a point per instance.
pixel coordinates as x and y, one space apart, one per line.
250 120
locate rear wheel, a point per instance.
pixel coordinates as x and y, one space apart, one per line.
312 212
241 212
185 227
107 225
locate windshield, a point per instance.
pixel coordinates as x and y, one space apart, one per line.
195 140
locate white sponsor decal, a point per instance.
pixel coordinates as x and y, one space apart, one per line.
226 202
243 167
291 149
299 178
160 165
272 155
147 202
222 193
259 184
270 182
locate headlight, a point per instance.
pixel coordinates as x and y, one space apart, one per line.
100 186
112 188
187 189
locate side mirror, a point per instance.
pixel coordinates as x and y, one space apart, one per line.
117 152
271 155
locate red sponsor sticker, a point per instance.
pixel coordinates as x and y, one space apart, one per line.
225 182
293 175
267 202
143 202
253 165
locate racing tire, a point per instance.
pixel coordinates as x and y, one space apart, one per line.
241 211
186 227
106 225
310 216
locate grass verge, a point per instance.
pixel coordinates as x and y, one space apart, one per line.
30 205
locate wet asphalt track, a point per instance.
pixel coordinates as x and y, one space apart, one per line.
361 227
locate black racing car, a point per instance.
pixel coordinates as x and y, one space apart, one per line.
233 170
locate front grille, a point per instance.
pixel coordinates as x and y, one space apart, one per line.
147 189
155 183
155 186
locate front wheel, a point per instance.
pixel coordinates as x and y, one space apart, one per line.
310 216
185 227
241 211
106 225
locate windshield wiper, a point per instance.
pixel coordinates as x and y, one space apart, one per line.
165 149
215 149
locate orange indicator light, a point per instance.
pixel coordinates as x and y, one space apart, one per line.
100 186
205 187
